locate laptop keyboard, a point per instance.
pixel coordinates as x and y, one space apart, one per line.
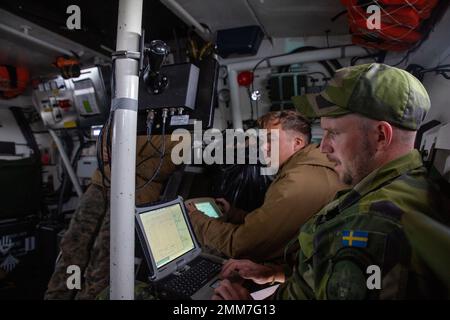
190 281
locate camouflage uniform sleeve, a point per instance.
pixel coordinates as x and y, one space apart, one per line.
370 258
358 256
431 240
295 288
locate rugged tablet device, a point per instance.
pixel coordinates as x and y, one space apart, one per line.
207 205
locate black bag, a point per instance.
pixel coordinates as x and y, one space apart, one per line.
20 187
242 185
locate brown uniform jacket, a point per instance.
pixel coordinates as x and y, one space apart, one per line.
305 183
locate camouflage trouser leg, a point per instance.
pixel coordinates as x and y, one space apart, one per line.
96 276
97 271
78 240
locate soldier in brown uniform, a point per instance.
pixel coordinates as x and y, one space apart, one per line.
305 182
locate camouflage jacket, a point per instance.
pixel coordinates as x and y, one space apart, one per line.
363 227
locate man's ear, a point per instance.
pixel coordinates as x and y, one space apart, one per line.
384 134
299 142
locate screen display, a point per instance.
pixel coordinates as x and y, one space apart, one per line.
167 234
207 208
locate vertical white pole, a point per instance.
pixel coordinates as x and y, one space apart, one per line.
123 166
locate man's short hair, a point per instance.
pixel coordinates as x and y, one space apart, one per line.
289 120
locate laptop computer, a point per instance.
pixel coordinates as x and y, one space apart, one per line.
177 265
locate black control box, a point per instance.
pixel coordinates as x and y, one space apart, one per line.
239 41
179 114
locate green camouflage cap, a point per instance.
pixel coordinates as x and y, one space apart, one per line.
374 90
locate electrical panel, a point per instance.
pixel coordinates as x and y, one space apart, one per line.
283 86
86 167
77 102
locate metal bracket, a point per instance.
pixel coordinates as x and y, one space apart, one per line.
124 54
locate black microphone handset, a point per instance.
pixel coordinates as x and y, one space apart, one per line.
156 54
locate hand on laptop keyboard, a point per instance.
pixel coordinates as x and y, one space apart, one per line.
193 279
260 274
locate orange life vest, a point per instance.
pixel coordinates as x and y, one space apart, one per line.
13 81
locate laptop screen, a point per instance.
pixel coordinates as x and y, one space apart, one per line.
167 233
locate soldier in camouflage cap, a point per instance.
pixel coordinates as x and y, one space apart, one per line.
356 246
376 91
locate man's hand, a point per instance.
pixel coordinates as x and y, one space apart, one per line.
247 269
224 205
230 291
190 207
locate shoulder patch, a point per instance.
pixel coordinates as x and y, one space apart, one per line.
355 238
346 282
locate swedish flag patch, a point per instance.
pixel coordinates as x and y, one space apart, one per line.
354 238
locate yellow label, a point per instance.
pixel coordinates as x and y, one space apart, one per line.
70 124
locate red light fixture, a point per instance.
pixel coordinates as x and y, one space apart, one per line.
245 78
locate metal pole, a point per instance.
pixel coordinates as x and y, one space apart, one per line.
302 57
123 166
306 56
67 164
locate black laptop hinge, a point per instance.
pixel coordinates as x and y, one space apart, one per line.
181 266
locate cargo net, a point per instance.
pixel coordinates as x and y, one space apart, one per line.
398 28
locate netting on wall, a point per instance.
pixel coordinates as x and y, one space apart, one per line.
400 22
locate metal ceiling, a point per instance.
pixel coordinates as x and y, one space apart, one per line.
46 21
279 18
28 45
98 20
